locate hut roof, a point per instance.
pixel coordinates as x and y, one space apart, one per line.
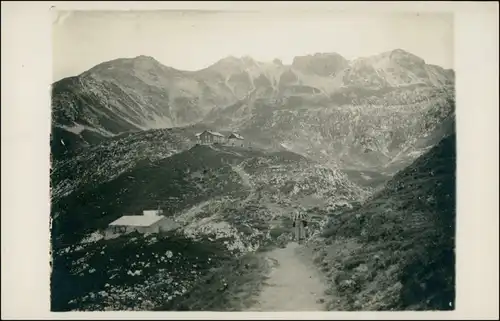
136 220
210 132
237 136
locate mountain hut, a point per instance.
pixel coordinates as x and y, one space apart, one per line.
151 221
210 137
235 139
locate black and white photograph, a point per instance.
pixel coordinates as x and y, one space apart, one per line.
248 161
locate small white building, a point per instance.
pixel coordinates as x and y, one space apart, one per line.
151 221
235 139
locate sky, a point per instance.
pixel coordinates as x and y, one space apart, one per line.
194 40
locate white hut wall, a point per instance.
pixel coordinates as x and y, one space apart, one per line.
165 224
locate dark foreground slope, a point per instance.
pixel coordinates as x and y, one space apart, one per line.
397 251
131 272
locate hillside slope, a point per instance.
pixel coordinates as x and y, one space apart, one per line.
107 159
397 251
227 175
236 199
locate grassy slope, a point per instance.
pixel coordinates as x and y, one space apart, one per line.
396 252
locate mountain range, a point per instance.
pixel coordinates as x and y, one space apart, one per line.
364 114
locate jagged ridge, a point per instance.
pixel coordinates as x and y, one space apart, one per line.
136 94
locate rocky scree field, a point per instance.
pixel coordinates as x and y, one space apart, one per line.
376 137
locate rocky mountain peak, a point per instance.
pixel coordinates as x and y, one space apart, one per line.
227 65
229 59
323 64
146 62
144 58
278 61
247 60
405 58
126 65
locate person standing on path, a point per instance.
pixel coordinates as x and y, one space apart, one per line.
299 224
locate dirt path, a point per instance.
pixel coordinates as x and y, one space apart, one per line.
293 285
